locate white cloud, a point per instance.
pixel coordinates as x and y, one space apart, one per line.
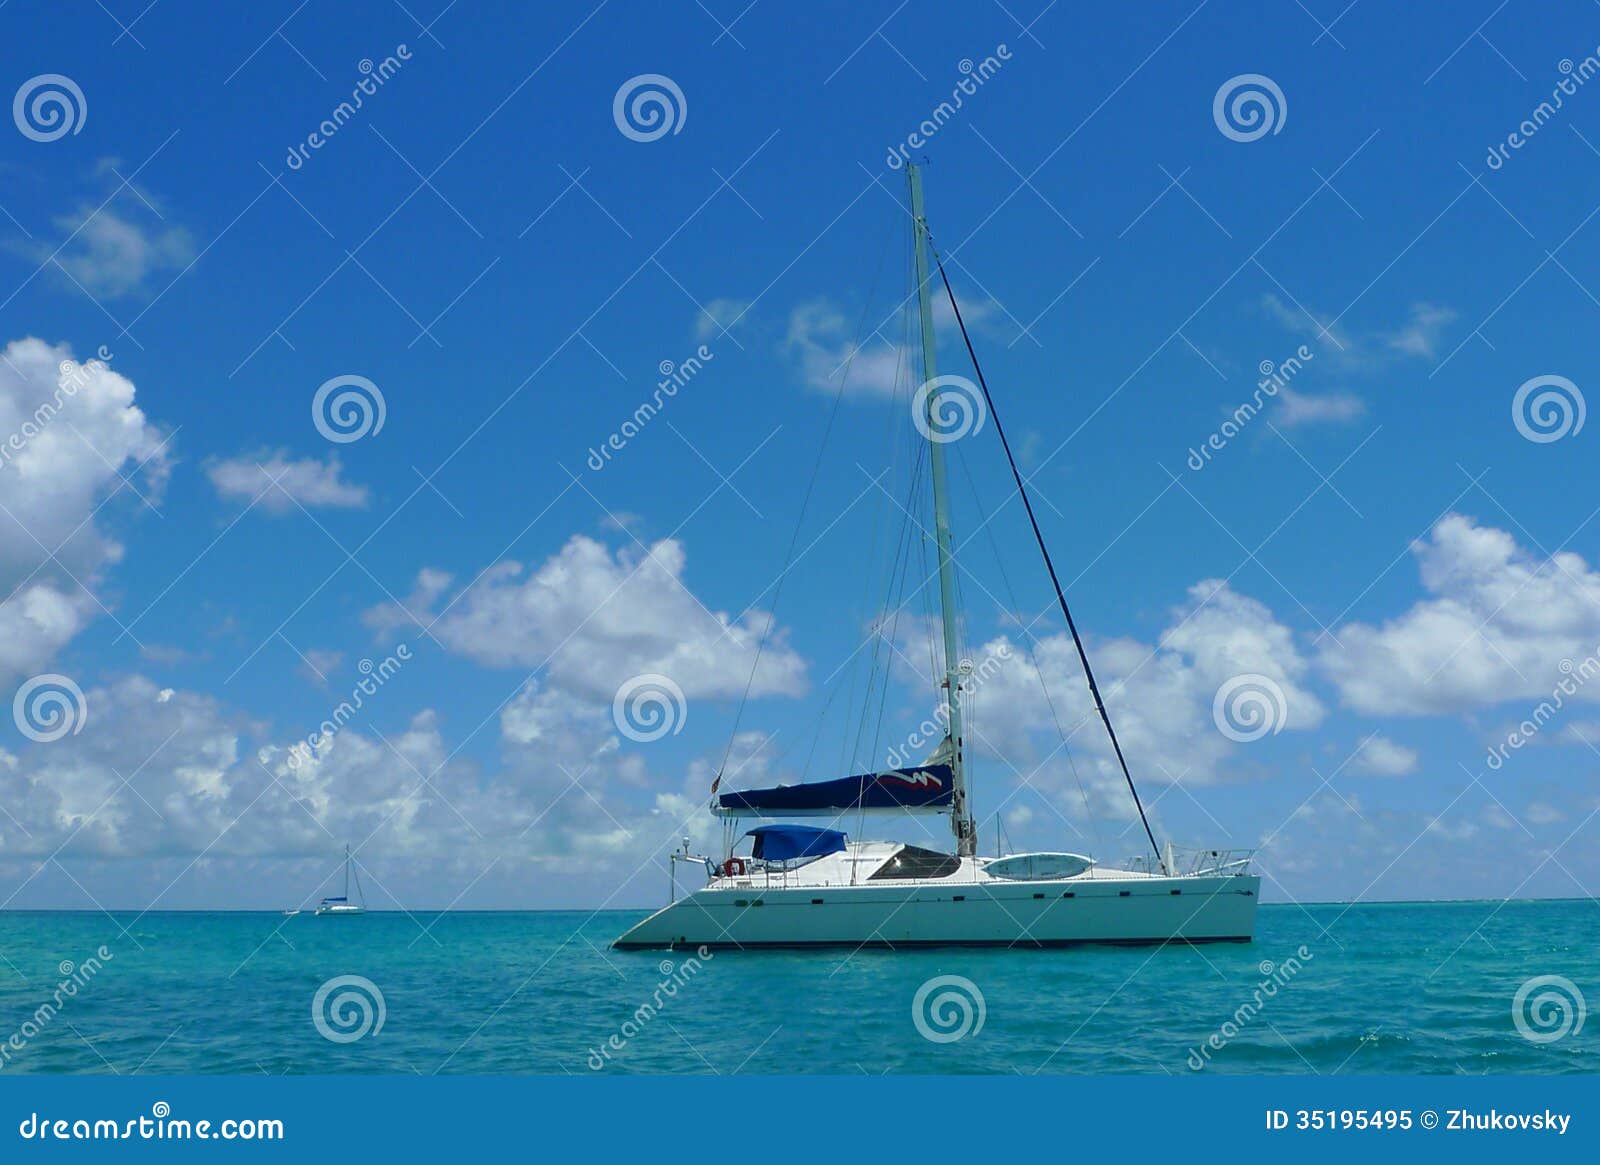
1382 757
1497 625
1160 697
1541 813
112 253
592 619
1420 335
68 435
279 483
822 341
1298 409
718 316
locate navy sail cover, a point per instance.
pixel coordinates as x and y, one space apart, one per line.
781 843
926 788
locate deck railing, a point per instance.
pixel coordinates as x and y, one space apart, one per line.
1191 863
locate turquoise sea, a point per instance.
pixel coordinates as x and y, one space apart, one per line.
1402 988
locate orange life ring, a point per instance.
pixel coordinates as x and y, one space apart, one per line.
733 867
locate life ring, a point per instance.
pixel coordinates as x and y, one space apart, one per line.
733 867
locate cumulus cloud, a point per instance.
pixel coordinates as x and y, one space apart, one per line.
69 436
1161 696
591 619
280 483
1382 757
113 252
1497 625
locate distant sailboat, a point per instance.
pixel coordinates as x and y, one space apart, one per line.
342 904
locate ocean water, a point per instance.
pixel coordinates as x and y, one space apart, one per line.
1403 988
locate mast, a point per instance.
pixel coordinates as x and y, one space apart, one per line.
347 871
960 810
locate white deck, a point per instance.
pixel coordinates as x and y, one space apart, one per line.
834 901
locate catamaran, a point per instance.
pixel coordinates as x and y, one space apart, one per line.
342 904
796 885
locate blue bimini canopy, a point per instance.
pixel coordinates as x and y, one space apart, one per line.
780 843
927 788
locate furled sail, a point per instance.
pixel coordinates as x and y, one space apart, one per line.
927 788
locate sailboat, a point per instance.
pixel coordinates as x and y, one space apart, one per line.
342 904
800 885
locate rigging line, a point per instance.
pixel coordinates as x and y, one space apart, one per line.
889 582
1028 641
794 539
1061 598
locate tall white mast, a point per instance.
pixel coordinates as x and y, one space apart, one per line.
960 810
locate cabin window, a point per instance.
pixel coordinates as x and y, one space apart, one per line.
915 862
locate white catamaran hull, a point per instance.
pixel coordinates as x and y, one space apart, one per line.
1025 914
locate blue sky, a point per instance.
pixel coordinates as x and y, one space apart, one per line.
1399 567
